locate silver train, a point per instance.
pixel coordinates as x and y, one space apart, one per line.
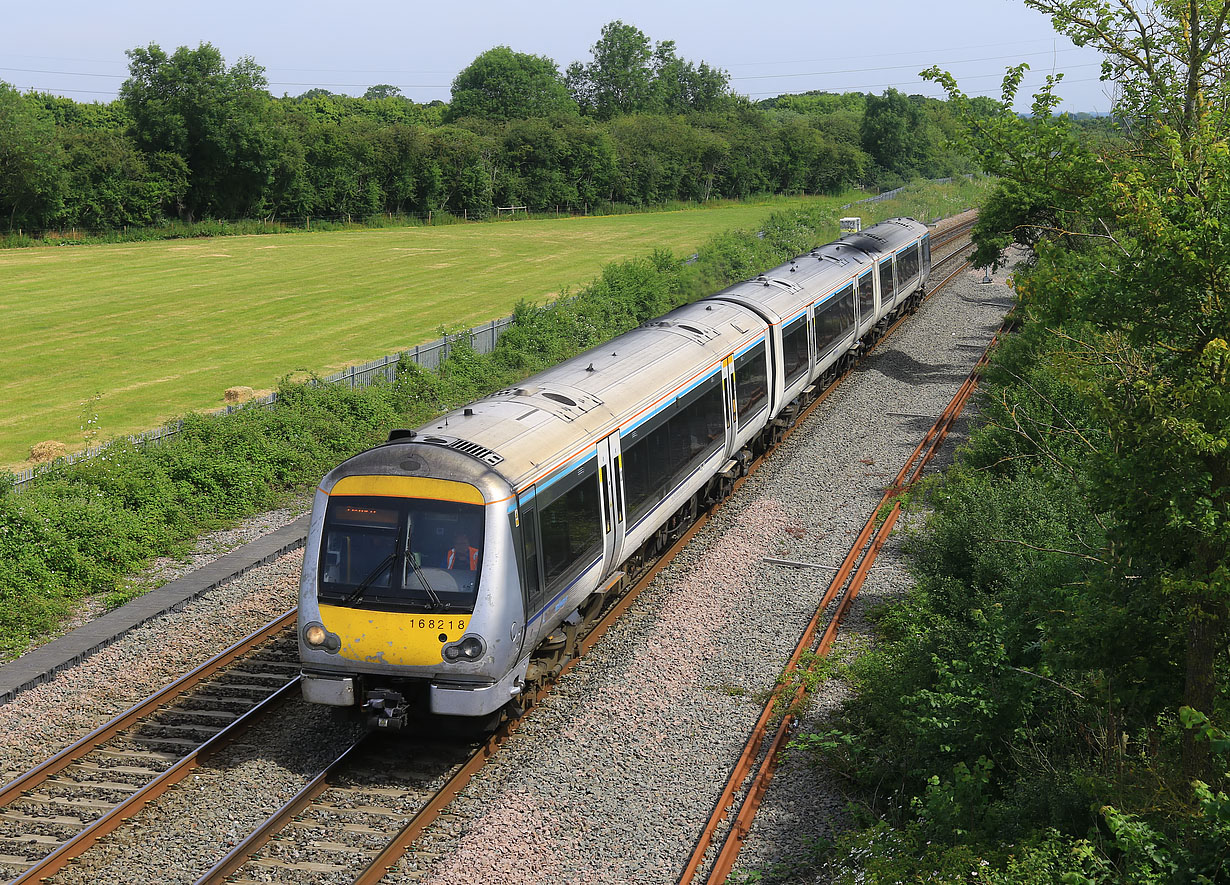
452 568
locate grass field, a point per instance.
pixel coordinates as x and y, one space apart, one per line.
112 339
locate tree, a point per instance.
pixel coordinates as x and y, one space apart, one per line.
680 86
31 162
382 90
893 133
111 183
216 118
619 79
627 75
1133 263
505 85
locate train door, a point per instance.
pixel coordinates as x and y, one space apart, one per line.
529 555
728 399
610 481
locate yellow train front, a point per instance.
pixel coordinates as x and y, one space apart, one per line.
410 597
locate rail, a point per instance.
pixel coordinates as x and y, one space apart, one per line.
753 771
160 700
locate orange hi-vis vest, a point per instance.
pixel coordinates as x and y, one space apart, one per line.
452 558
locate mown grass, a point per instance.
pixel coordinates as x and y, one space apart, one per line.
107 340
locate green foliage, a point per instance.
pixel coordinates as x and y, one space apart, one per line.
504 85
31 162
895 133
215 118
194 139
1049 703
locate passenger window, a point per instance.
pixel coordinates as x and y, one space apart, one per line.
886 281
645 457
834 319
751 383
699 426
658 452
866 297
794 349
571 525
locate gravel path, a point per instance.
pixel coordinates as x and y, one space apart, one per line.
613 776
165 569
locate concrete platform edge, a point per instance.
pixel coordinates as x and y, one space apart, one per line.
41 664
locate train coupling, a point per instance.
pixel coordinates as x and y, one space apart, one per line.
386 709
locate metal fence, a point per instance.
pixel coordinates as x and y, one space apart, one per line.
428 356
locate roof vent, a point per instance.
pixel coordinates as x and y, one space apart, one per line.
474 450
401 434
560 398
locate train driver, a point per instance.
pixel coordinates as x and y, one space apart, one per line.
461 555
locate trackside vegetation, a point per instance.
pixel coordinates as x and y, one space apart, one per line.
85 529
1051 703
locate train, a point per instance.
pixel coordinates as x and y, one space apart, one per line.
452 569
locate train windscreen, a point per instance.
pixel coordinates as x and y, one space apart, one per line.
400 554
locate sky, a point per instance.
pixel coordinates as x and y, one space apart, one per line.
768 47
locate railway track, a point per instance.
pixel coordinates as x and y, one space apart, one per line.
57 810
362 813
718 846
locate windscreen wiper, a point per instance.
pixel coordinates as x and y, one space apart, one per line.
439 603
357 593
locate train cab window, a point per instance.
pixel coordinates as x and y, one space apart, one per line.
393 554
751 383
794 349
570 525
866 297
834 319
926 253
887 291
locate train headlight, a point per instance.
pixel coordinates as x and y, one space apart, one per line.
316 636
470 648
